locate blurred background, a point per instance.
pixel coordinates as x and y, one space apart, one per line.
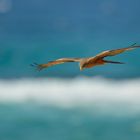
63 102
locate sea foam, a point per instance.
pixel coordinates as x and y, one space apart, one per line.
73 92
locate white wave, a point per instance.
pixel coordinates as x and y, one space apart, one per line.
77 92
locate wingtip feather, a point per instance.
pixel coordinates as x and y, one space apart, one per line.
37 66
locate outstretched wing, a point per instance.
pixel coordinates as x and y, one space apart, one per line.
113 52
58 61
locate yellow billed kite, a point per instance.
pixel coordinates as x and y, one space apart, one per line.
88 62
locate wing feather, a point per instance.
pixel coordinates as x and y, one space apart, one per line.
55 62
113 52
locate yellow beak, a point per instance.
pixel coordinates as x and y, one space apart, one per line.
81 68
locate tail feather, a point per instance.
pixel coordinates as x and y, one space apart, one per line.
113 62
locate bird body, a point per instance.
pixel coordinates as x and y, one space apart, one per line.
88 62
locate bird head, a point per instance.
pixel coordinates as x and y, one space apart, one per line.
82 65
81 68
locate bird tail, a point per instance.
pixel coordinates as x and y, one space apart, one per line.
113 62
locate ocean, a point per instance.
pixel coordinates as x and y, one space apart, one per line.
64 109
41 31
62 102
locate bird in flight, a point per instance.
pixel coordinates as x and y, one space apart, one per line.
88 62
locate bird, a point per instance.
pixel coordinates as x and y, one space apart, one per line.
88 62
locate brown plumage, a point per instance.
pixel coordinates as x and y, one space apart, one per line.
89 61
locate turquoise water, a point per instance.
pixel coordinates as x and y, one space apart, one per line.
34 122
41 31
68 104
15 61
78 109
